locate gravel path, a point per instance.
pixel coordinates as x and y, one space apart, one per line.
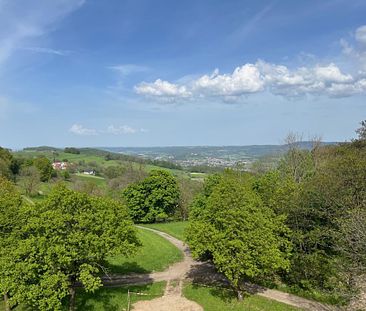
201 273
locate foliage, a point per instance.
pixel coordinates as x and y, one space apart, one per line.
30 180
72 150
44 167
66 240
153 199
11 222
245 238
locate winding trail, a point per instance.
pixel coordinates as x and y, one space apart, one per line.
196 271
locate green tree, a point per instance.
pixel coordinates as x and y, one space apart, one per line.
245 239
10 225
29 179
153 199
45 168
67 239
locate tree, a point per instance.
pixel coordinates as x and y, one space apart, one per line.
5 163
72 150
153 199
67 240
245 239
45 168
29 179
10 225
188 190
361 132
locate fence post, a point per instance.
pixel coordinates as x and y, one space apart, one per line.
128 301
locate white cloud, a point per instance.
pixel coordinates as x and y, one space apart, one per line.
127 69
162 89
47 51
360 34
22 21
243 80
123 129
327 80
81 130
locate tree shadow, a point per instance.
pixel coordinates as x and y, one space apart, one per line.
205 274
126 268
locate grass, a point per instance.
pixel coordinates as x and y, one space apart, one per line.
115 299
217 299
156 254
331 298
175 229
110 299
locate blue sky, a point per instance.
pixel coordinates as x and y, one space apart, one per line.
158 73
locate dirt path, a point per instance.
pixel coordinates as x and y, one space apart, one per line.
172 300
201 273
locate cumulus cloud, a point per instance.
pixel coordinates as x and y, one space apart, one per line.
78 129
356 51
162 88
320 79
326 80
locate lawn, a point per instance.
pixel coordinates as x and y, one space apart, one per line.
115 299
217 299
175 229
110 299
156 254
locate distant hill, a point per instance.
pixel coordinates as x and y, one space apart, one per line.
182 153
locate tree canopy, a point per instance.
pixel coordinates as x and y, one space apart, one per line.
155 198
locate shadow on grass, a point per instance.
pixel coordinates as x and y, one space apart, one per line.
205 274
126 268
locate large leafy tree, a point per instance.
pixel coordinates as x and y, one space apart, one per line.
11 222
66 241
45 168
245 239
154 198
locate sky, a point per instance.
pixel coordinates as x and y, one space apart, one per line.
175 73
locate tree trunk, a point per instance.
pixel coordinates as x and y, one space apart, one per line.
72 301
240 294
6 302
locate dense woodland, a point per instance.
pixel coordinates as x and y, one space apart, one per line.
299 225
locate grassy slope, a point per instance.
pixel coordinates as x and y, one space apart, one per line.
212 299
88 157
110 299
175 229
156 254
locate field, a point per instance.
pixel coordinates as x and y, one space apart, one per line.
156 254
97 157
175 229
212 299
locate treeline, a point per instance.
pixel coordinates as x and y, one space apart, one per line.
302 223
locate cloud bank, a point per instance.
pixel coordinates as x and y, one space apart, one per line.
320 80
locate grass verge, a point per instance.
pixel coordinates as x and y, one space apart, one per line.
156 254
218 299
175 229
